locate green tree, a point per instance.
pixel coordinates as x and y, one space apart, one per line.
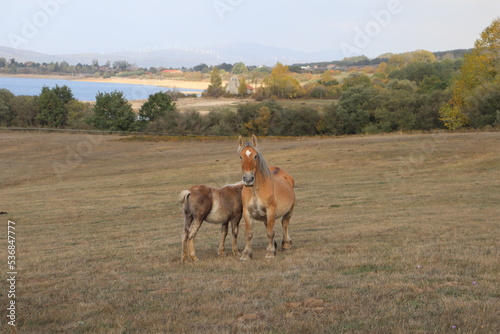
240 68
64 93
52 109
215 88
159 104
113 112
481 67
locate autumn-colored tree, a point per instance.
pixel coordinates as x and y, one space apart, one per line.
481 68
423 56
281 84
215 88
242 88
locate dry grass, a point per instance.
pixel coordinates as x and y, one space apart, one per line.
392 234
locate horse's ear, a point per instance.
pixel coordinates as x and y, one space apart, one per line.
240 142
254 141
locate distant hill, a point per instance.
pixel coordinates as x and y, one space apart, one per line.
250 54
365 61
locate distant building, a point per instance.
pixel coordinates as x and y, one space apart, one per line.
234 85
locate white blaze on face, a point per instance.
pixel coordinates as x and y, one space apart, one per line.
248 153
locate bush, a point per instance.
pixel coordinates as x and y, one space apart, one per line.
79 114
6 114
190 121
25 110
483 105
221 123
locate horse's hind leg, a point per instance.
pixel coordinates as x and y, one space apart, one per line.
188 219
223 233
287 241
192 233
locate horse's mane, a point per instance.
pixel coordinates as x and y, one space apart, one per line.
260 161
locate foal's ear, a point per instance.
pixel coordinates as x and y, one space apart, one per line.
254 141
240 142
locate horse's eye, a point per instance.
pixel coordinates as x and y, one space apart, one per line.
256 157
241 157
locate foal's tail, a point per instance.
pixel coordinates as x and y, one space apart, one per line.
184 195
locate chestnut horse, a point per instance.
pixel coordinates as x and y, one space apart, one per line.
268 194
216 206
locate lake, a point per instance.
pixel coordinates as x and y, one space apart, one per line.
83 90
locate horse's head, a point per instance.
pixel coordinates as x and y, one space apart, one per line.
249 160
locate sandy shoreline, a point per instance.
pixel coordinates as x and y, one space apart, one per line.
170 83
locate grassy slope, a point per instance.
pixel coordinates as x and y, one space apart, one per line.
389 233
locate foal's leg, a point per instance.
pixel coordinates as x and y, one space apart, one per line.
234 230
223 233
192 233
271 246
287 241
188 219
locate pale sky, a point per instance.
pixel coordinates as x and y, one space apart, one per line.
369 27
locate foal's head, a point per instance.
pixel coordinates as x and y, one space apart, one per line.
251 161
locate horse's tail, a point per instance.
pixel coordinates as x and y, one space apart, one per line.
184 195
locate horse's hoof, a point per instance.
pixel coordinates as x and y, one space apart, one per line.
195 259
246 256
270 255
286 245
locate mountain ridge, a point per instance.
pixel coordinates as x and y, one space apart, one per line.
250 54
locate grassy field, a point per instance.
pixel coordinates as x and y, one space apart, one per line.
391 234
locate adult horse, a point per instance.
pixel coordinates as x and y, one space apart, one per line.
268 194
214 205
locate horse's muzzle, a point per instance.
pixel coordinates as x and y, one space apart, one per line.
248 179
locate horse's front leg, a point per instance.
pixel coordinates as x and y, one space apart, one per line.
287 241
223 233
234 230
247 252
271 246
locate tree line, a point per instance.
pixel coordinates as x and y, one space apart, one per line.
411 91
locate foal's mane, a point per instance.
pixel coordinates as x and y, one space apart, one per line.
260 160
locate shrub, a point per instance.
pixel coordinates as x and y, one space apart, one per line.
6 114
25 110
